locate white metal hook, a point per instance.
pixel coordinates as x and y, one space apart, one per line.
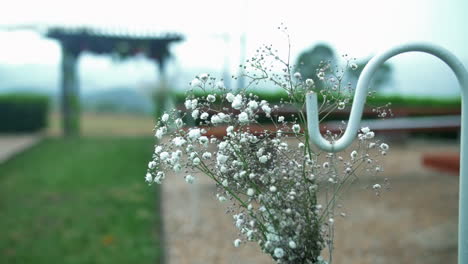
358 107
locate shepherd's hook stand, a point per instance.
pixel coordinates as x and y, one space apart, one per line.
358 107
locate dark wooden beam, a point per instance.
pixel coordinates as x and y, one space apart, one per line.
70 96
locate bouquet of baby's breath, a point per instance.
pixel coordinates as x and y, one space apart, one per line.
285 193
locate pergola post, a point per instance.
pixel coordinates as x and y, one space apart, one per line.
161 95
70 97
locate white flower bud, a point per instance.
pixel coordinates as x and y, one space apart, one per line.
211 98
292 244
148 177
296 128
189 179
204 116
165 117
384 147
243 117
237 242
279 252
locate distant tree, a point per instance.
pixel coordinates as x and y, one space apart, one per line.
380 78
310 61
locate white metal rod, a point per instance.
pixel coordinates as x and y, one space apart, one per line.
358 107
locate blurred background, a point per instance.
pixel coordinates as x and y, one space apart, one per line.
81 83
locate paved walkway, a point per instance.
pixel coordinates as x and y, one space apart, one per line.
10 145
414 222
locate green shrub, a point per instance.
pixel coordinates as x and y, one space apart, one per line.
23 112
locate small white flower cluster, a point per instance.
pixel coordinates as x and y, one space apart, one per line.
275 179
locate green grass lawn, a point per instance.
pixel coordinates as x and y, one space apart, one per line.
79 201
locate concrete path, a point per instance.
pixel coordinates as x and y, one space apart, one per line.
10 145
414 222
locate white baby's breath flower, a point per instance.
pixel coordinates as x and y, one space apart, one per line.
148 177
243 117
354 154
211 98
341 105
353 66
203 77
196 161
309 82
263 159
222 198
301 145
158 149
160 132
225 183
165 117
296 128
222 145
177 167
384 147
230 97
215 119
273 188
237 242
297 75
188 104
204 116
194 134
252 104
326 165
376 186
206 155
221 159
191 104
195 113
365 130
151 164
195 82
220 85
250 192
266 109
321 75
292 244
224 117
279 252
189 179
281 119
237 102
204 140
179 141
164 156
179 122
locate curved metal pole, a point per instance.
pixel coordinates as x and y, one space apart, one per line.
358 107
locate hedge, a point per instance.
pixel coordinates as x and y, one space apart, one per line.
275 96
23 112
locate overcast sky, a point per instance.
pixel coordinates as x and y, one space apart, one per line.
359 28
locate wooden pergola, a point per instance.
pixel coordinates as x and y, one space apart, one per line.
120 42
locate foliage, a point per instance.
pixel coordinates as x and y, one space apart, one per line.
285 193
416 101
311 61
382 76
23 112
78 201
